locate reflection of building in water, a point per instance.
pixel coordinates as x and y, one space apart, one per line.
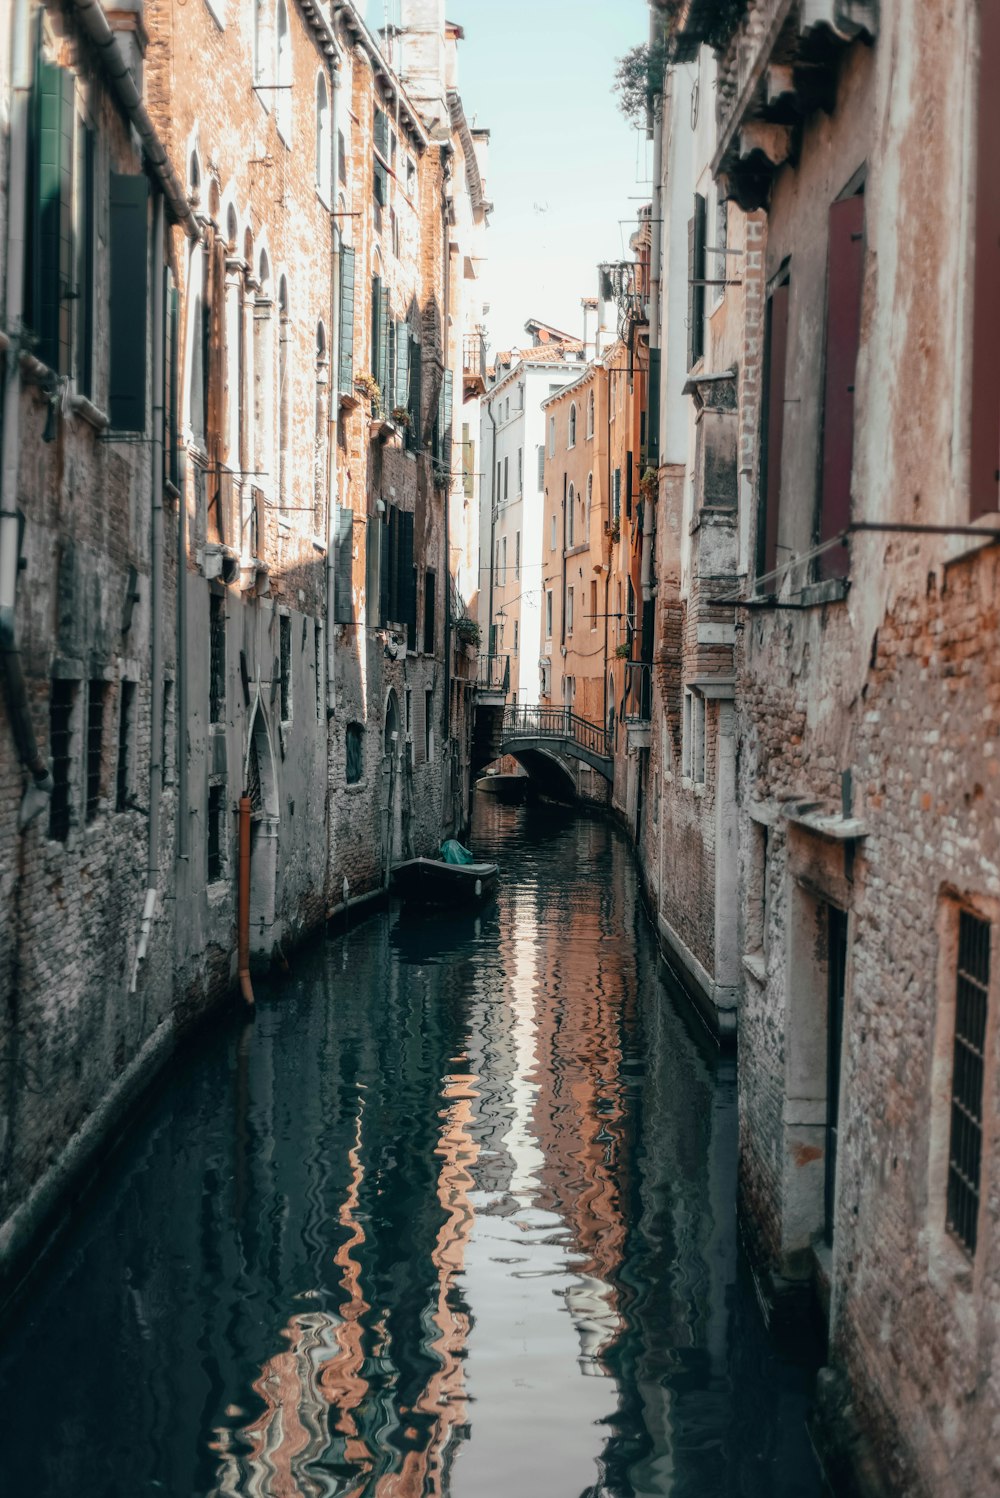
342 1402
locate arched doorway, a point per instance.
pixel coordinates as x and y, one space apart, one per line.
262 788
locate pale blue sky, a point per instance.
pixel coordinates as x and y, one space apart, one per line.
538 74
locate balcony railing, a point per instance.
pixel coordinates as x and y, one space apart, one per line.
494 673
638 696
474 360
555 723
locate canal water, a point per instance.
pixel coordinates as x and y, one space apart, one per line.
454 1216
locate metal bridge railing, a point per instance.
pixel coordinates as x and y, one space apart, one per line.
555 723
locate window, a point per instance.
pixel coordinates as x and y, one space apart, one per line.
345 369
570 509
126 713
430 585
323 162
520 470
572 425
616 498
721 240
283 93
215 831
506 409
62 701
845 274
772 429
428 723
569 611
552 543
341 158
552 436
517 556
694 737
95 746
593 605
966 1141
590 414
590 500
696 281
217 658
499 474
285 666
541 466
503 564
343 565
127 312
284 392
548 614
355 746
506 476
516 635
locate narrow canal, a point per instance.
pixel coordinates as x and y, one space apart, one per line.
454 1216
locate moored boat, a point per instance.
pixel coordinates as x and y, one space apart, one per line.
432 881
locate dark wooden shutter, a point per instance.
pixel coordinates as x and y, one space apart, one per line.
843 334
373 566
382 374
51 266
345 365
384 571
985 436
430 604
343 610
416 381
407 580
696 281
652 458
376 326
85 264
381 132
772 429
128 303
171 428
629 480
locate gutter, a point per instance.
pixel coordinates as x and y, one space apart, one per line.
39 790
95 24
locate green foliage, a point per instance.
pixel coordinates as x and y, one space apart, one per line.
638 76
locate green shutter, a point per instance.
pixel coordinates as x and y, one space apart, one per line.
407 580
445 407
376 325
382 373
343 611
373 569
416 375
52 262
128 316
346 361
382 132
402 365
384 570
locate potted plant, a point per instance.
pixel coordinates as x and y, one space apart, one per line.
367 385
401 417
615 532
622 652
648 484
467 630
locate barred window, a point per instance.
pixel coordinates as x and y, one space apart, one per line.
95 746
285 666
966 1144
60 751
216 831
217 662
125 715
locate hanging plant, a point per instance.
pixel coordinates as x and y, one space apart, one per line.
367 385
401 416
648 484
467 630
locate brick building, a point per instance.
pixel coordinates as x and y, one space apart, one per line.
239 261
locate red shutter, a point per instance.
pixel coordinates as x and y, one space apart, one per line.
986 310
843 335
774 428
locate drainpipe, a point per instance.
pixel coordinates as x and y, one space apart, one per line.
655 122
446 298
155 600
333 470
493 521
243 904
37 793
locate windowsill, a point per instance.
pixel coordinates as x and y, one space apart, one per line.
575 551
711 515
356 788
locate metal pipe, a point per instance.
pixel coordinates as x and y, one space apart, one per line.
446 299
493 520
155 597
37 793
334 413
243 904
95 23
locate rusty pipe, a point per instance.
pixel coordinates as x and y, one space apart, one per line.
243 903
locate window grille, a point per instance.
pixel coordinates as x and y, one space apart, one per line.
216 809
60 746
95 745
965 1149
285 666
217 661
124 741
355 746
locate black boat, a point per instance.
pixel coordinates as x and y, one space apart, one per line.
432 881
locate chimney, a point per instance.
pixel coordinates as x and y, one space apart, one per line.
589 305
423 56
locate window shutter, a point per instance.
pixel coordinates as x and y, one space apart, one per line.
128 317
392 591
843 335
445 413
346 352
376 325
696 279
541 467
170 371
407 580
985 434
773 426
653 410
416 375
381 132
429 616
51 264
382 374
373 570
628 485
402 394
85 252
384 570
343 611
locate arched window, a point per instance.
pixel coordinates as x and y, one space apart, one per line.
590 414
570 512
323 146
590 498
283 93
194 179
232 228
263 381
572 425
284 391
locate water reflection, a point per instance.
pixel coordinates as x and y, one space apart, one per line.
454 1217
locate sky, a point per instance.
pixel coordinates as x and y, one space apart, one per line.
564 166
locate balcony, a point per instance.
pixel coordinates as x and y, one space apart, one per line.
493 680
777 64
473 365
637 703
